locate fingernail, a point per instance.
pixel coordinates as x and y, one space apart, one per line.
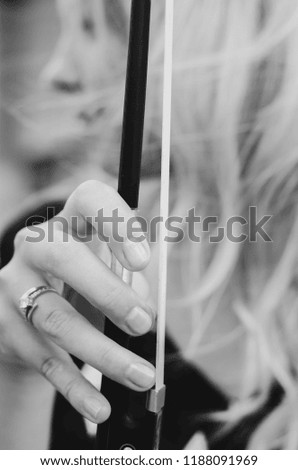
93 407
141 375
139 321
136 252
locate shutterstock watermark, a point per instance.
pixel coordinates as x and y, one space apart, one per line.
115 228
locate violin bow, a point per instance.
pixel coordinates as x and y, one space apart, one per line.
136 417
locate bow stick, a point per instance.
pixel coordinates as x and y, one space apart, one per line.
135 421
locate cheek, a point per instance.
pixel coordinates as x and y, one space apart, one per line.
101 61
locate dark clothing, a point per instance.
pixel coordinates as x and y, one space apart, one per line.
190 396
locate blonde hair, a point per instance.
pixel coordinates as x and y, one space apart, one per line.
234 145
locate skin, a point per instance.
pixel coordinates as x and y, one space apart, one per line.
78 61
59 330
40 362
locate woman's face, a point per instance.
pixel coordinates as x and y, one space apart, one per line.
90 48
93 38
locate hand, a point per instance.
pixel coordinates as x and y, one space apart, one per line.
58 329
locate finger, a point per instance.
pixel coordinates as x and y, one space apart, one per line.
197 442
58 368
68 380
63 325
100 206
76 265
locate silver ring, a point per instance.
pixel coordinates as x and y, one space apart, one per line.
27 303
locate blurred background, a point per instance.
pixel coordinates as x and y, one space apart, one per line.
31 149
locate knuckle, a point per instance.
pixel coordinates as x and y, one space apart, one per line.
28 243
92 188
113 299
21 238
71 388
56 324
57 254
87 188
50 368
105 358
